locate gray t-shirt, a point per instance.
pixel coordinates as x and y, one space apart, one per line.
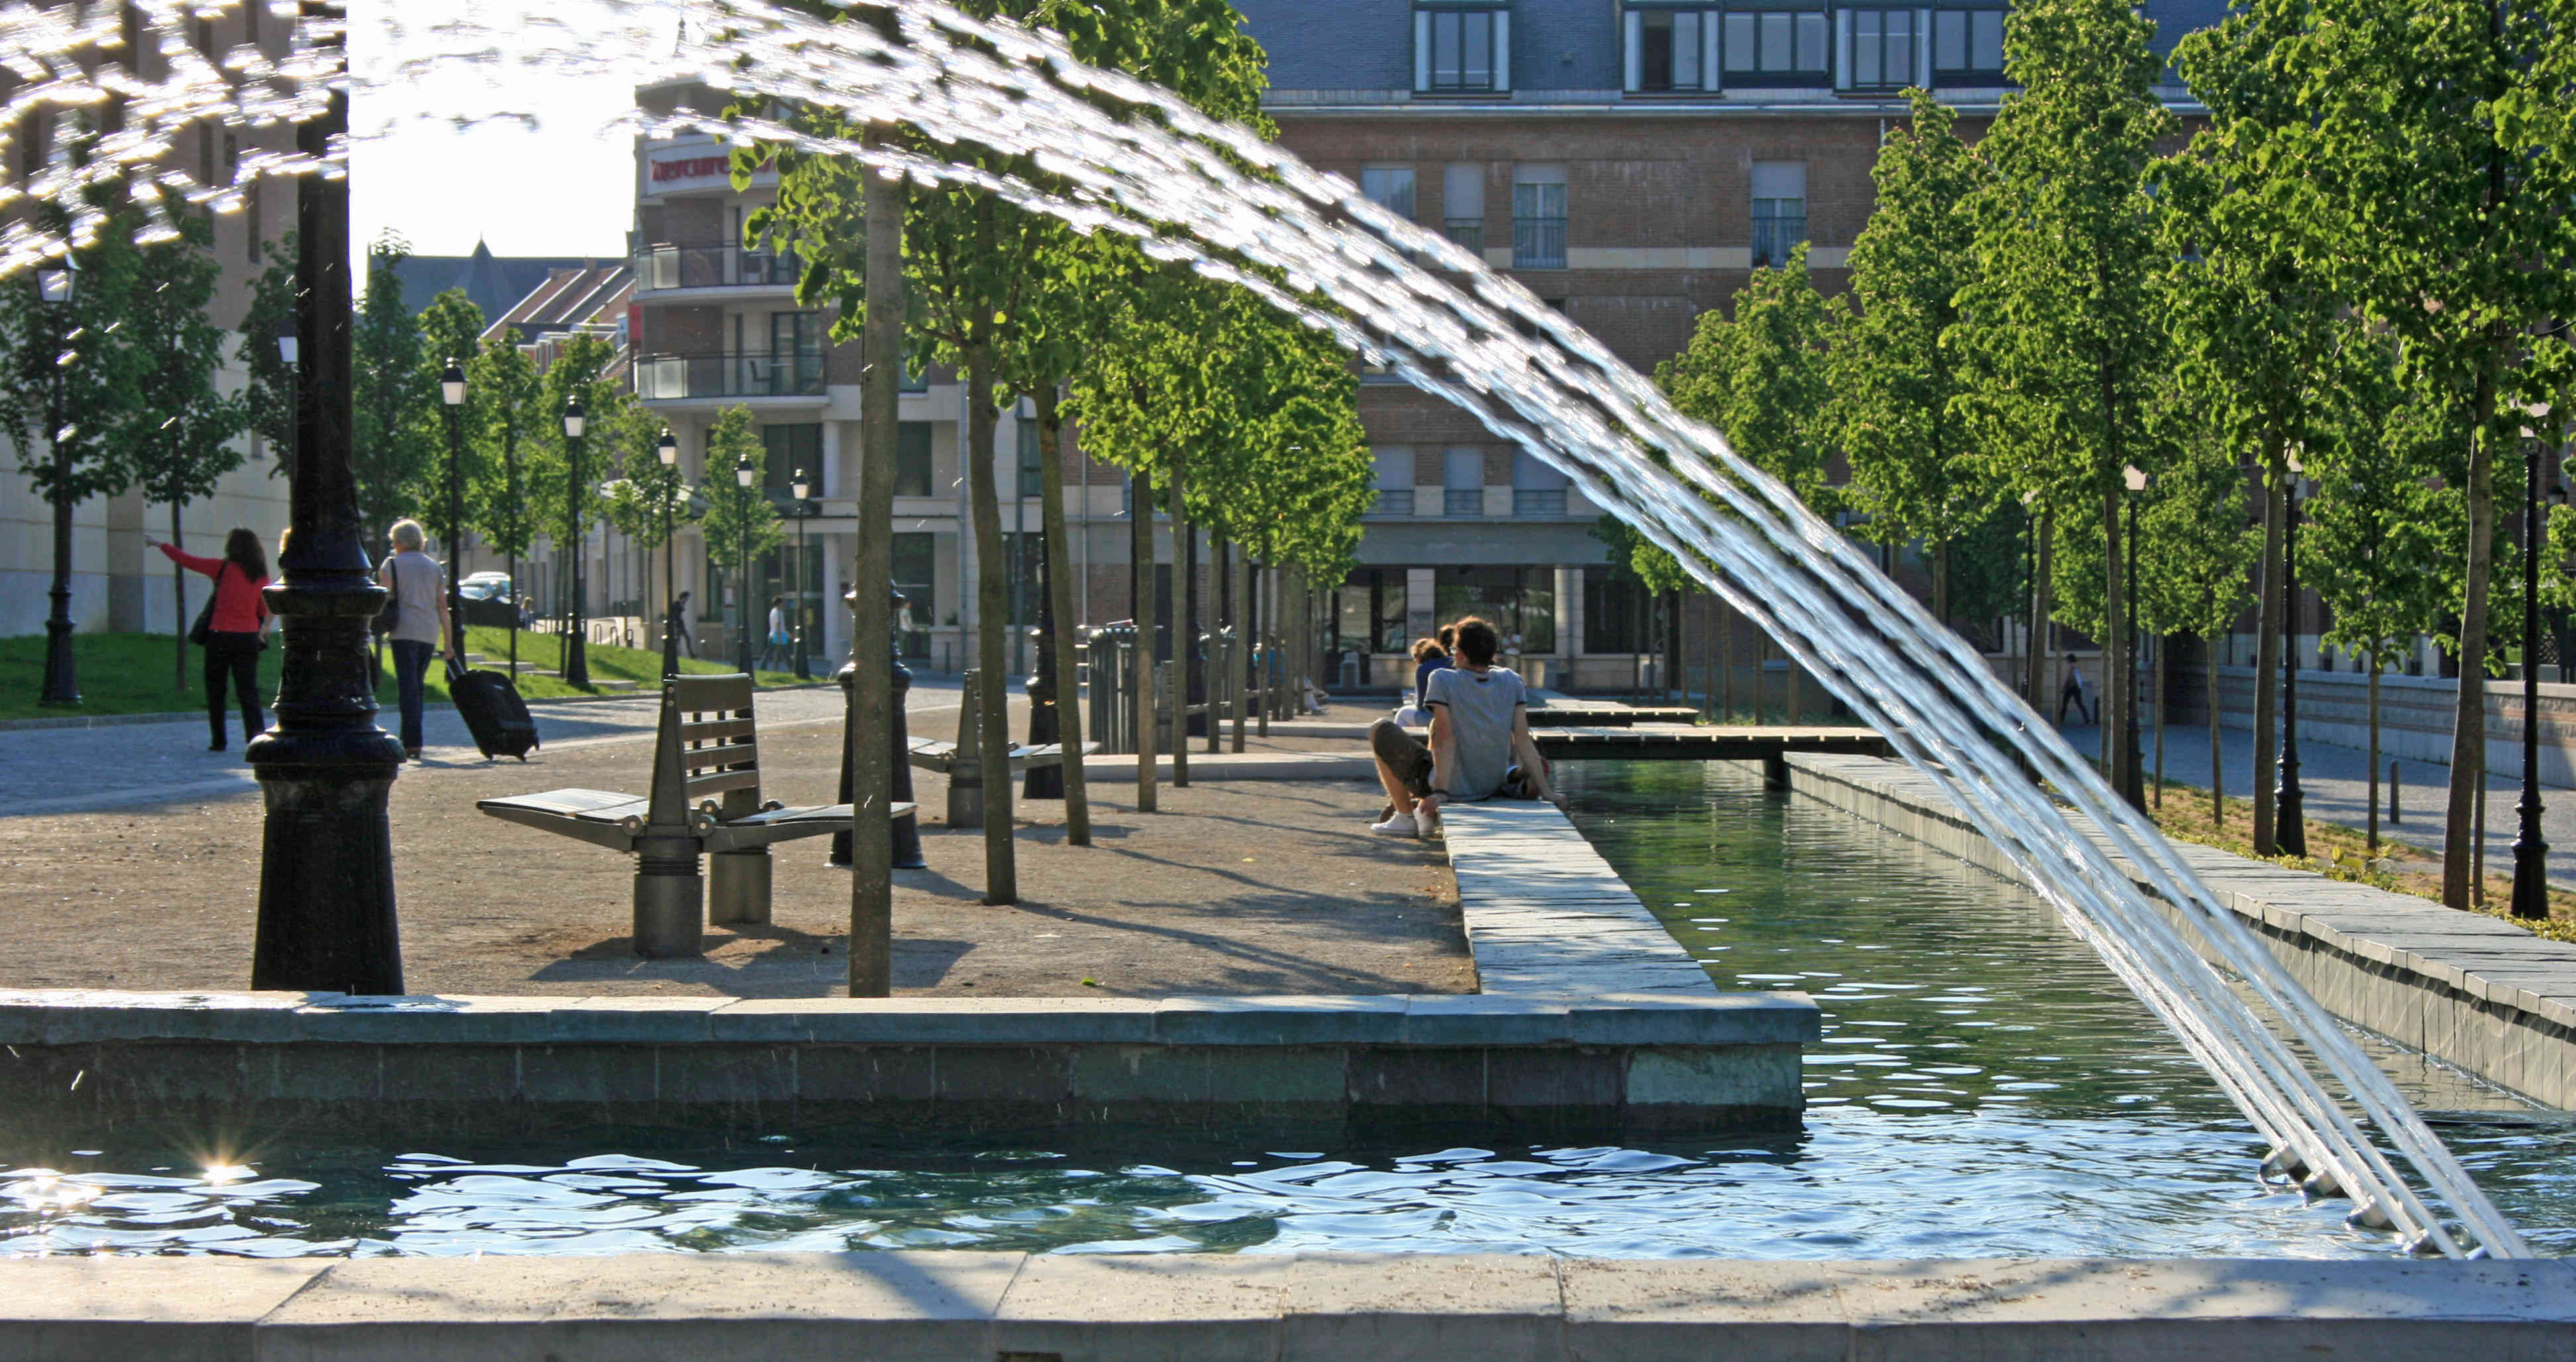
417 584
1480 706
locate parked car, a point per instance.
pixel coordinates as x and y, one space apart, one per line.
488 600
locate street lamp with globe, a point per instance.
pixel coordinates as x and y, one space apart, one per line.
744 475
576 661
668 450
62 682
796 591
451 395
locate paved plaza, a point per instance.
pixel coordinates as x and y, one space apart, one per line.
139 852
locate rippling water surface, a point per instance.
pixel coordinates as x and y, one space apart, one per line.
1984 1088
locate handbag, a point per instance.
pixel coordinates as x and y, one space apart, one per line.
391 615
204 629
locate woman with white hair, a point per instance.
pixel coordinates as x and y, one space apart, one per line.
414 621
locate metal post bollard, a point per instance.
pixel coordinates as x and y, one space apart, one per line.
907 829
966 776
2393 818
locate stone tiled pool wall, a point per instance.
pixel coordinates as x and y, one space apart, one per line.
497 1065
2465 988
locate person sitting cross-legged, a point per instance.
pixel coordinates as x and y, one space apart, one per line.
1480 740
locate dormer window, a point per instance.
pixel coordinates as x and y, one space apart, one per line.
1885 49
1780 45
1968 46
1461 48
1672 50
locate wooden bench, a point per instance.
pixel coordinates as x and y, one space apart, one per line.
705 801
961 760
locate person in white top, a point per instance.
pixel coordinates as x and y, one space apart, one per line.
1480 744
421 628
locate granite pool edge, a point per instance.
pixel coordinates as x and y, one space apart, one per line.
1213 1308
2484 996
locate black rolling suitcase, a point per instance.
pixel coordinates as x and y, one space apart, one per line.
490 705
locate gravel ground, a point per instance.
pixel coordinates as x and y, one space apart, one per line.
1231 888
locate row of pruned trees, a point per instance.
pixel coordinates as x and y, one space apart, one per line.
2349 276
1238 422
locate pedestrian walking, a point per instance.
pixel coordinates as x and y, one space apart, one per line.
232 629
774 658
677 621
2073 688
414 621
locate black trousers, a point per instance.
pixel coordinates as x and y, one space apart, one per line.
236 656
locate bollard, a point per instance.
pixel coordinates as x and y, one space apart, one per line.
966 774
907 829
2393 818
1045 723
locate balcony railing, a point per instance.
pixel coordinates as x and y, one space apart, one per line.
1394 501
713 265
671 378
1528 502
1462 501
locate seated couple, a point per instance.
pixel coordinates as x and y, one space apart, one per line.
1480 741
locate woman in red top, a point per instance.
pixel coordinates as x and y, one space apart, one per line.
235 633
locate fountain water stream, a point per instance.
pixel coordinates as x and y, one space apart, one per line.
1121 156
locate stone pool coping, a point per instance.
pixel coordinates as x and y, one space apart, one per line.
981 1306
1545 914
2466 988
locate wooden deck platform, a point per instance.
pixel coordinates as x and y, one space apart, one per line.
1694 742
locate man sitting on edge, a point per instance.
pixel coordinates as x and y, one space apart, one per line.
1480 740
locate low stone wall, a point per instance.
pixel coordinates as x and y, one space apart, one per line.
1545 914
979 1307
493 1066
2415 714
2464 988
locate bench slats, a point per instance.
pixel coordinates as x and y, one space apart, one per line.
742 754
702 694
720 782
709 730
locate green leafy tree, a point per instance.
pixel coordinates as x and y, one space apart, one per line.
269 396
2195 552
451 331
177 441
2253 312
1912 468
391 446
2062 336
502 391
68 376
2438 148
1763 377
741 523
563 498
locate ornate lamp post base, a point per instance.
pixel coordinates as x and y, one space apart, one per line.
62 683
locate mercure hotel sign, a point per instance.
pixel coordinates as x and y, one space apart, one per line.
692 169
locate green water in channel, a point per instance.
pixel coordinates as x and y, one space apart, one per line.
1984 1088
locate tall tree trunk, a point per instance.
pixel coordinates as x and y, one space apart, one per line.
1185 634
1140 556
871 726
1726 666
2035 647
1264 593
2372 823
2267 641
1941 581
2464 835
1221 584
2217 768
1059 585
992 616
2114 711
2161 651
179 601
1243 572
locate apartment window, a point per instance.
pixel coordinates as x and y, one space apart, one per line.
1462 204
1462 481
788 448
1461 49
1538 217
916 567
1369 611
1774 46
1520 602
1968 42
1779 211
1390 188
1537 490
1883 47
1671 50
1394 480
912 459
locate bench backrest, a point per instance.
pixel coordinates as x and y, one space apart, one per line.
708 748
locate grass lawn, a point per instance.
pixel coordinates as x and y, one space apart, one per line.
131 673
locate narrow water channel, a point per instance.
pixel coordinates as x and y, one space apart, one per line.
1985 1088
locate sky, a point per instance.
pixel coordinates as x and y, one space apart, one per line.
561 187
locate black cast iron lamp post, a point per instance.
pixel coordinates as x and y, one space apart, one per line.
326 885
2530 849
451 393
2289 819
796 592
576 665
668 449
2132 775
744 475
62 680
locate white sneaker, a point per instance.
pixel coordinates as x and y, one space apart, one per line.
1426 824
1402 825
